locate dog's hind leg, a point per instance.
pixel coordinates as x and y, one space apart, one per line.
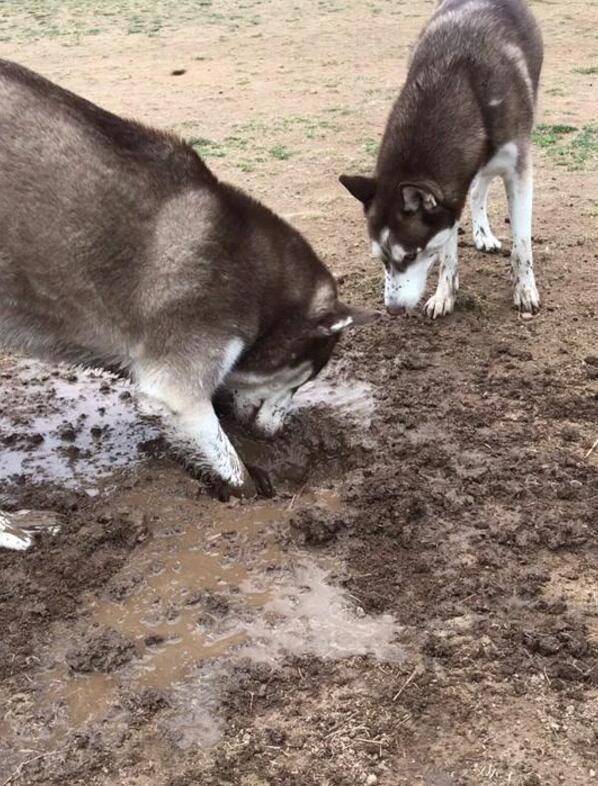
520 187
483 236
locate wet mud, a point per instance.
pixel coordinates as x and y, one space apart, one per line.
417 605
185 590
395 567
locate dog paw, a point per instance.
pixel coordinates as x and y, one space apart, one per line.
256 484
526 298
261 480
486 242
440 304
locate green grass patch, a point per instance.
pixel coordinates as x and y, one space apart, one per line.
313 127
570 147
257 142
207 148
34 20
548 135
371 147
589 71
280 152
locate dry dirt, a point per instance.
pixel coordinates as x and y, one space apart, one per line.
419 604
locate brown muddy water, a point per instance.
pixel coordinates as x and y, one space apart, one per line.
195 598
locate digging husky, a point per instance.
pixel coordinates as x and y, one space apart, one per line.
464 116
120 249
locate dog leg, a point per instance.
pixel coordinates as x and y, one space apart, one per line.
520 187
442 301
184 390
196 434
483 237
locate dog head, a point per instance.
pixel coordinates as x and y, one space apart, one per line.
291 353
408 224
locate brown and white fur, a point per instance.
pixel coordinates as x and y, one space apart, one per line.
119 248
464 116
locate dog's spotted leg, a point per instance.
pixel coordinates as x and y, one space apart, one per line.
196 434
483 236
184 389
519 186
443 300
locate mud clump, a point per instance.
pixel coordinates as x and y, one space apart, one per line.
211 605
146 703
315 527
105 652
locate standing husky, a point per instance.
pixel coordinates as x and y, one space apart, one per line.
464 116
119 248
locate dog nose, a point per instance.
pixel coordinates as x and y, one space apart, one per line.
409 258
394 310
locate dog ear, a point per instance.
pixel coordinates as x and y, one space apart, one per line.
416 196
343 317
362 188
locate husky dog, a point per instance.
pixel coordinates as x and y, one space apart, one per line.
464 116
119 248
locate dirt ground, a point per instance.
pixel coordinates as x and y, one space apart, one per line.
419 603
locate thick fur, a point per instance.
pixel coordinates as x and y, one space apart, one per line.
119 248
470 92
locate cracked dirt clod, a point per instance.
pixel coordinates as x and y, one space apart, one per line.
103 652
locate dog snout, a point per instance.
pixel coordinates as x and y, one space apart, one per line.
409 258
394 309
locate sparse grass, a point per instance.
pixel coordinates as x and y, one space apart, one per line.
569 146
280 152
339 110
590 70
207 148
548 135
371 147
314 127
584 147
246 147
33 20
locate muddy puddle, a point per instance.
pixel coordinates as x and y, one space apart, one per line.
69 427
75 428
208 590
212 586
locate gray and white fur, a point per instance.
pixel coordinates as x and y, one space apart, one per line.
119 248
464 116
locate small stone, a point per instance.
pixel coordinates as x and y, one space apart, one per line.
532 780
526 315
570 434
153 640
371 780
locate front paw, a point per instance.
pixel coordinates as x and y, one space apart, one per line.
526 297
261 481
486 242
255 484
440 304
